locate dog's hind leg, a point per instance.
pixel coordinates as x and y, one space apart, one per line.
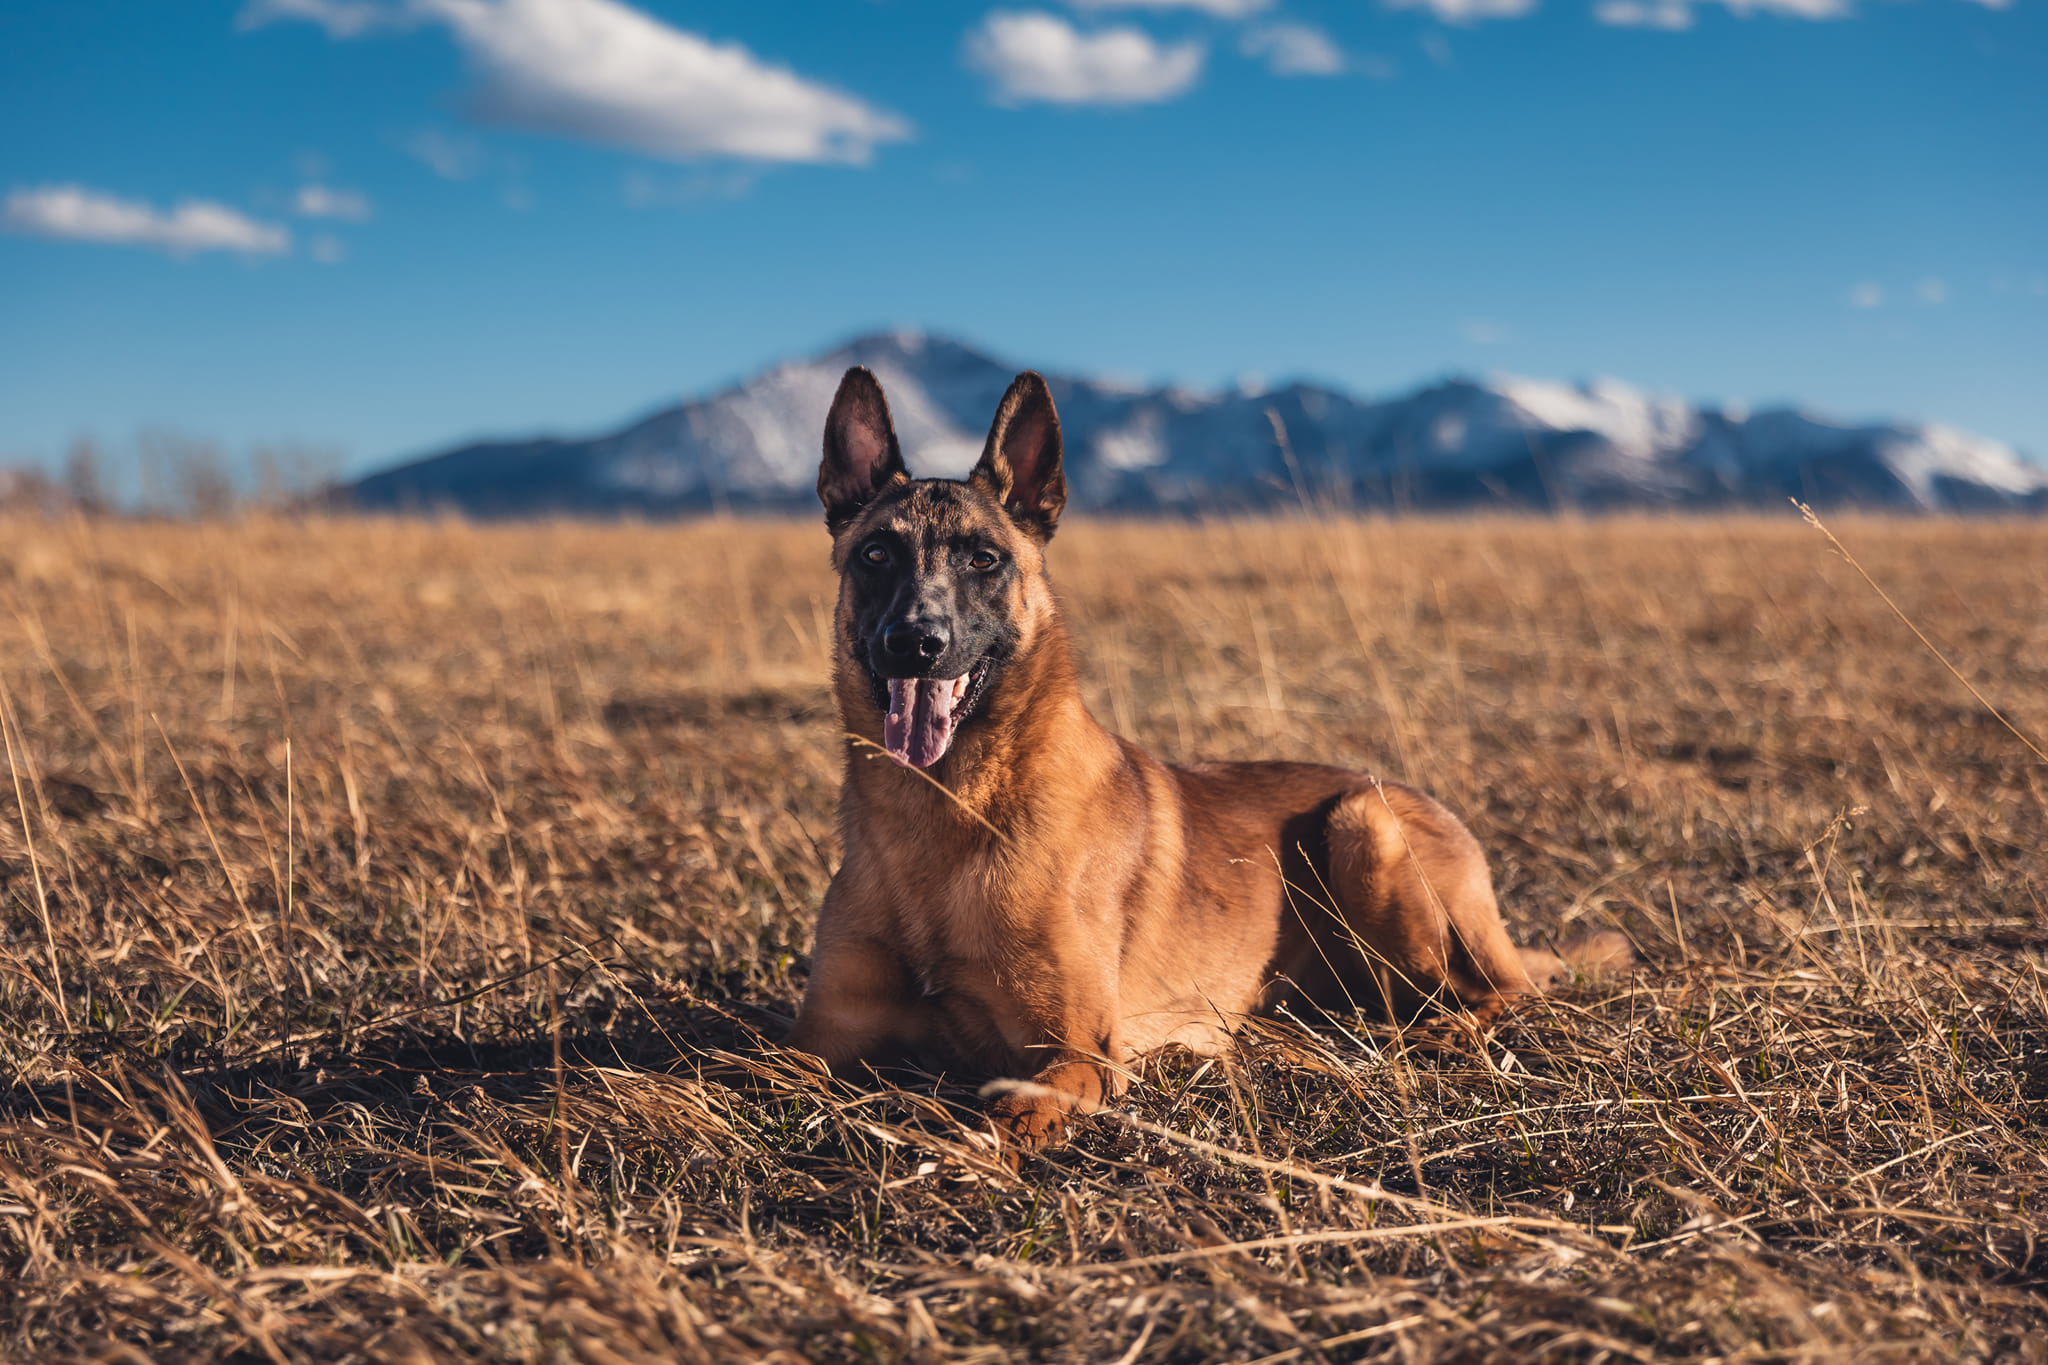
1590 956
1420 925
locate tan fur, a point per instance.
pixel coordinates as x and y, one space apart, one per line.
1069 903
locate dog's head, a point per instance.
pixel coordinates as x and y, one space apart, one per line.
942 582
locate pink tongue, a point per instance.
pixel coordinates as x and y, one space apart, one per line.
919 725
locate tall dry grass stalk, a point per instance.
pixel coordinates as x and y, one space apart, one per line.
393 913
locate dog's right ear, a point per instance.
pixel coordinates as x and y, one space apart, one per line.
861 454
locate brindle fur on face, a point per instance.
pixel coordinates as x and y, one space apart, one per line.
939 579
940 559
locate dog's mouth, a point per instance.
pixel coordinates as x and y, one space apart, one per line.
921 715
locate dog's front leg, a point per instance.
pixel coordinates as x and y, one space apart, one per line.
859 1009
1057 1012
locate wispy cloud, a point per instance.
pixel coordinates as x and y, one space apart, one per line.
1672 15
1222 9
1677 15
1933 289
691 188
451 156
74 213
1791 9
1293 50
604 72
319 201
341 18
1868 294
1037 56
327 250
1483 333
1468 11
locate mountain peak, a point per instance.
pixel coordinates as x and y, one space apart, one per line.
1507 441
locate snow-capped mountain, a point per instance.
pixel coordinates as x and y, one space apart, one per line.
1502 443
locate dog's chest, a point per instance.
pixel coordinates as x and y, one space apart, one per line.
976 960
958 940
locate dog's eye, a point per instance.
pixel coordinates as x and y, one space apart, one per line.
985 559
876 554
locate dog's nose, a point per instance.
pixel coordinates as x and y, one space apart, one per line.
913 644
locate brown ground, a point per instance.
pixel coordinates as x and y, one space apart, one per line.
381 889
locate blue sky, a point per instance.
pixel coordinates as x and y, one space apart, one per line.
378 226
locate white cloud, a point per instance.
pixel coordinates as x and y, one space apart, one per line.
326 250
318 201
1482 333
77 214
1222 9
1933 289
600 70
1468 11
341 18
1293 50
604 72
1869 294
1036 56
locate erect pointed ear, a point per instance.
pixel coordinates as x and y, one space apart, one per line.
1020 465
861 454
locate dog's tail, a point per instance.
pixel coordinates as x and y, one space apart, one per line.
1586 958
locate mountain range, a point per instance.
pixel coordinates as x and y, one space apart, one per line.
1503 443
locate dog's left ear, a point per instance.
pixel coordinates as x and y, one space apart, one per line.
1020 465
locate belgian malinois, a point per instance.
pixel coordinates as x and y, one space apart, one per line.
1026 895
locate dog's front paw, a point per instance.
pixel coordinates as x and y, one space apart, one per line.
1031 1120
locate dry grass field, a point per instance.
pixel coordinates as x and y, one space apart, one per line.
395 916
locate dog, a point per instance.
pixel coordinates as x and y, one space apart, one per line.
1025 895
